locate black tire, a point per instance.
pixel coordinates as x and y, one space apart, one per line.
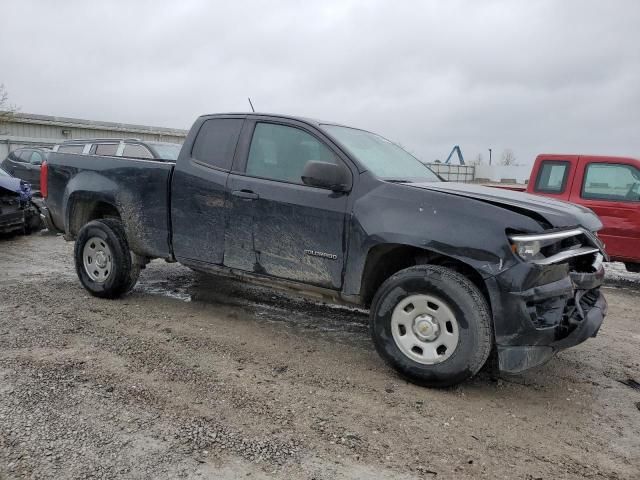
124 272
632 267
466 302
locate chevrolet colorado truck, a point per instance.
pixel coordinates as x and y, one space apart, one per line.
450 272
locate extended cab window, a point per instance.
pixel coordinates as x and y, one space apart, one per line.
608 181
71 149
108 149
280 153
552 176
216 142
136 151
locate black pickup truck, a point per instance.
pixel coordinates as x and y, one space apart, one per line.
450 272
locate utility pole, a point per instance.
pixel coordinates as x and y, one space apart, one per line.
489 156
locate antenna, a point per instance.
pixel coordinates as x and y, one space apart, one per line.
252 109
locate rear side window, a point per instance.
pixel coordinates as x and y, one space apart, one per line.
136 151
70 149
108 149
609 181
216 142
552 176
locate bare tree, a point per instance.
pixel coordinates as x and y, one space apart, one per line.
508 157
6 109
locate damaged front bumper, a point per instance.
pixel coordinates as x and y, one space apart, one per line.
12 214
11 220
540 310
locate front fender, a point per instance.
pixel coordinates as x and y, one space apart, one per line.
468 230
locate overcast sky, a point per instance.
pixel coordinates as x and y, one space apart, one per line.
534 76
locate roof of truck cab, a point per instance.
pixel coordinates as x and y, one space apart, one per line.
577 156
312 121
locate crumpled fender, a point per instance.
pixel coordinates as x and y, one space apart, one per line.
473 232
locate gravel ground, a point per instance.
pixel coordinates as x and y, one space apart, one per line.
196 377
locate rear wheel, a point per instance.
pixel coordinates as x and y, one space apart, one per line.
432 325
103 261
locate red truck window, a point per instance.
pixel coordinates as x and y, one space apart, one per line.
552 176
610 181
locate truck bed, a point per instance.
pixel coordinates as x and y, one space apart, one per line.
81 185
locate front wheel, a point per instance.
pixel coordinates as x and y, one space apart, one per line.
103 260
432 325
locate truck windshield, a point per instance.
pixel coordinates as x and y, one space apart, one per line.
166 151
383 158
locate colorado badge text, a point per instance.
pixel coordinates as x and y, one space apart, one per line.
315 253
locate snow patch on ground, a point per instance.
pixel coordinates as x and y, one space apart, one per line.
616 272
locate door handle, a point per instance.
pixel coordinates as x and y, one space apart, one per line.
245 194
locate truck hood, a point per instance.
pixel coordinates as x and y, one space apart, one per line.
556 213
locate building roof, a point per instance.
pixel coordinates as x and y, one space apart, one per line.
33 118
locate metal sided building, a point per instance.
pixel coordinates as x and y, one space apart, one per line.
27 129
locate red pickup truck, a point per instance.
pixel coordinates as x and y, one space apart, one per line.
610 186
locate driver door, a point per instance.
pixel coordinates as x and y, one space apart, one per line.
277 225
612 191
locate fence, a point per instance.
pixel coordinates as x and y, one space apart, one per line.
454 173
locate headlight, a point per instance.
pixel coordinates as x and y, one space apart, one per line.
551 247
527 249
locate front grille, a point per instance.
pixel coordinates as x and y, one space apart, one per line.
562 312
583 263
589 299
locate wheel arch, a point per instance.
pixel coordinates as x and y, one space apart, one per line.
83 207
384 260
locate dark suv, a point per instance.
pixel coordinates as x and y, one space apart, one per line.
24 163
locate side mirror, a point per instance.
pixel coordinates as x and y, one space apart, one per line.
327 175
